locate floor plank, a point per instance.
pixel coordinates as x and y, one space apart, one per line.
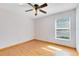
36 48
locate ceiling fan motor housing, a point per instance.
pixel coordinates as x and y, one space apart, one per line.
36 6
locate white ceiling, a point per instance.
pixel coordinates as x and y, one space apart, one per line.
51 8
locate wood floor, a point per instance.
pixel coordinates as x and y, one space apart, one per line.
35 48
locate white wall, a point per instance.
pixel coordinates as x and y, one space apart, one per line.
14 28
45 28
77 28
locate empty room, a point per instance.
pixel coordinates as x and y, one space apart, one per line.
39 29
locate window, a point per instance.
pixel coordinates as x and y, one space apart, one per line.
62 28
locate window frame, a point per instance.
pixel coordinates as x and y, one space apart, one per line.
69 28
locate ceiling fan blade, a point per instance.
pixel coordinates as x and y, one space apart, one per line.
42 11
43 5
30 4
29 10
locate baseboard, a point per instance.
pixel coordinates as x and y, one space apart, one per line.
14 44
54 43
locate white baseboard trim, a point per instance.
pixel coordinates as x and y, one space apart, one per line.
53 42
15 44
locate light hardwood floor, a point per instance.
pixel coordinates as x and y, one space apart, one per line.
36 48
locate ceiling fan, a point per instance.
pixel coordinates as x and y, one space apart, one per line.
37 7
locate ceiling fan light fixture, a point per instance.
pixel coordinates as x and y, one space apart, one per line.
37 7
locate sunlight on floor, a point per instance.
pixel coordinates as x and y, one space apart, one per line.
62 53
57 51
54 48
47 49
